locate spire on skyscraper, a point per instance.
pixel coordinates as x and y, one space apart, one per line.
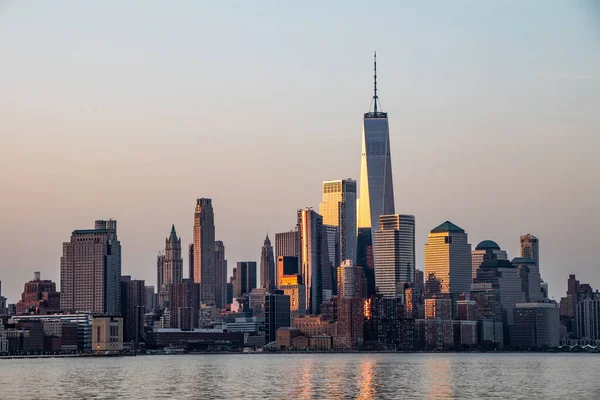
375 82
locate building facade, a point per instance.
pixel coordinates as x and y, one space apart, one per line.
133 308
338 208
310 226
277 313
39 297
221 275
394 254
204 250
90 270
267 265
486 250
245 278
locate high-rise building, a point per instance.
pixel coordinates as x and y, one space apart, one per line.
536 326
486 250
267 265
376 184
90 270
221 275
204 250
39 296
530 248
191 261
151 299
245 278
338 209
173 264
293 287
310 226
184 304
277 313
3 309
286 265
448 259
133 308
587 318
287 244
438 308
531 281
394 254
330 250
351 290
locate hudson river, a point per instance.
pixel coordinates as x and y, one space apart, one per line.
306 376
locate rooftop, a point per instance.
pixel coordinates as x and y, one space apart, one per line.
522 260
447 227
487 244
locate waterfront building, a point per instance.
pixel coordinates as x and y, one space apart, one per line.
285 337
382 319
394 254
39 297
531 282
204 251
434 334
83 321
338 208
267 265
221 275
245 278
286 265
350 303
587 318
376 183
310 226
448 259
536 326
277 313
133 308
486 250
90 270
315 325
107 334
195 339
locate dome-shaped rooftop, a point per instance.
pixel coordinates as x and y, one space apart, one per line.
487 244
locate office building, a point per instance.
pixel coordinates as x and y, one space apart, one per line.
277 313
267 265
221 275
530 248
292 286
376 183
536 326
184 304
486 250
204 250
287 244
338 208
133 308
448 259
90 270
286 265
245 278
394 254
173 263
504 277
310 226
587 318
39 297
531 281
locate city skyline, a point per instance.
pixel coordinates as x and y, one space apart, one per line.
62 129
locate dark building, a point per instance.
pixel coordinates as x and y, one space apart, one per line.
267 265
33 341
133 308
350 306
245 278
184 304
535 326
364 257
287 244
382 320
230 292
195 340
277 313
39 297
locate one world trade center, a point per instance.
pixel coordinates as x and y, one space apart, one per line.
376 184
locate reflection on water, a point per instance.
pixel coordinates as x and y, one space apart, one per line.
305 376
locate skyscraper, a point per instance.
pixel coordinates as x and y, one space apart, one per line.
338 209
90 270
184 304
530 248
173 263
310 226
133 308
448 259
277 313
221 275
245 278
376 184
351 291
204 250
486 250
267 265
394 254
287 244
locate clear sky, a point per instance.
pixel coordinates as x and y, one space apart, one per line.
131 110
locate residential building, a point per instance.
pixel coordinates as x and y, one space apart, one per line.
133 308
39 297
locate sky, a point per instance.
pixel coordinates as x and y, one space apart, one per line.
132 110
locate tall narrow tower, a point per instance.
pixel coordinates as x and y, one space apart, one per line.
173 264
204 250
267 265
376 185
